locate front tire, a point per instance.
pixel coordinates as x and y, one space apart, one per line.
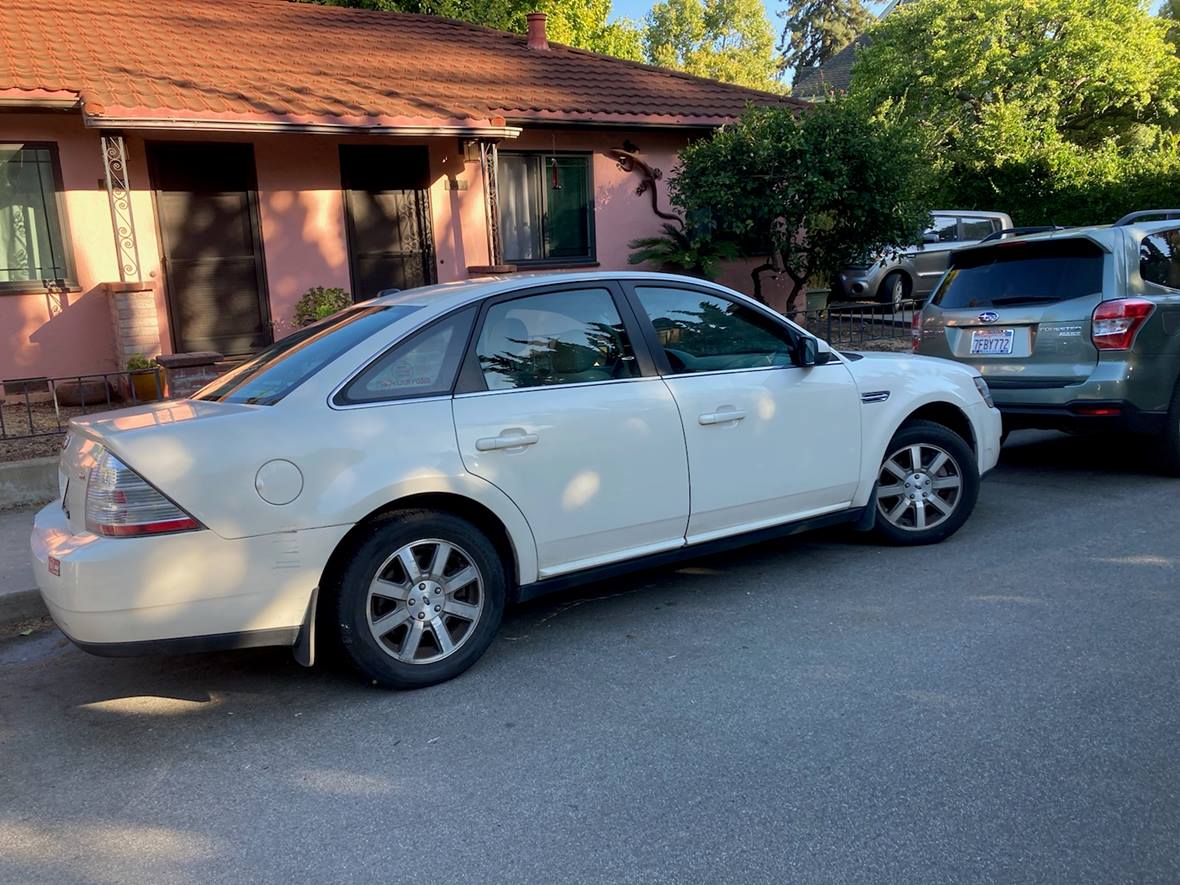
419 598
927 485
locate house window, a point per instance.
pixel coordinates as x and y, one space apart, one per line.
545 209
32 248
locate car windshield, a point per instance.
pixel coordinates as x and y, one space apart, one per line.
286 364
1015 272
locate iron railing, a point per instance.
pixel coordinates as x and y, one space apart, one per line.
859 325
37 407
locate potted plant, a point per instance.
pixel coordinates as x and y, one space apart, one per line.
318 303
144 377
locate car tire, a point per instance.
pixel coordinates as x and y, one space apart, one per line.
391 592
927 502
1170 441
895 290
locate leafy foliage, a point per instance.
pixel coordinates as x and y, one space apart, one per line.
581 23
693 251
1170 12
1058 111
137 362
728 40
815 30
812 191
318 302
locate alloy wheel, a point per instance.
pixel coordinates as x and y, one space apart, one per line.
425 601
918 487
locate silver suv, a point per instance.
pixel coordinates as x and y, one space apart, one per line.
913 273
1071 329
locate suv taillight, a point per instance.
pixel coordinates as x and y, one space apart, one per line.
120 503
916 330
1116 323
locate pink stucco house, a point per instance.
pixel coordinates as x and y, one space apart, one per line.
174 176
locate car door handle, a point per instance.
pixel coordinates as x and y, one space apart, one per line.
506 441
721 416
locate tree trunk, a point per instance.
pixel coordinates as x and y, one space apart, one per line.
798 282
756 275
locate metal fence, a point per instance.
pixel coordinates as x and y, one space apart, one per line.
37 407
865 326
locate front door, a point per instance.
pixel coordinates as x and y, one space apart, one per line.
387 201
557 410
768 441
207 205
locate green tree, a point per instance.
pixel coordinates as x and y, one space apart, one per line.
1170 12
728 40
1087 70
815 30
811 192
580 23
1058 111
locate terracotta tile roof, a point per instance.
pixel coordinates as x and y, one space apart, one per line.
232 63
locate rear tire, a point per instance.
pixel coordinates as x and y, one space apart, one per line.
418 598
895 290
927 485
1170 441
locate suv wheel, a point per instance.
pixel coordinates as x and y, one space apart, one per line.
419 599
1170 443
895 290
927 486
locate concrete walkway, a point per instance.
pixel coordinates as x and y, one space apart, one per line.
18 597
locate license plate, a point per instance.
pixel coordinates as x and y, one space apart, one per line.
992 342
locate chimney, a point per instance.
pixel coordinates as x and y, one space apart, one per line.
537 37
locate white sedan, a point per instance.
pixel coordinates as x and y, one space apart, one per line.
395 474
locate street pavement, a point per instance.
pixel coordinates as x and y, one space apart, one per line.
999 708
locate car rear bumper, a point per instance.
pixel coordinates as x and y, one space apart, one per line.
1114 415
188 591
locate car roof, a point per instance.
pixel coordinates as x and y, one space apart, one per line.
446 296
969 213
1106 236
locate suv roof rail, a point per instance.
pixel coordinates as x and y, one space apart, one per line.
1168 214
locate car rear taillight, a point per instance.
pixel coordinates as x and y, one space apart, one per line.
916 330
120 503
1116 323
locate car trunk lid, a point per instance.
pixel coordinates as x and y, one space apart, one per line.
1019 311
120 431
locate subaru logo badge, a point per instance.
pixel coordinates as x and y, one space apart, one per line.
988 316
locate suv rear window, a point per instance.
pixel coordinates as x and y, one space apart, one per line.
1014 272
286 364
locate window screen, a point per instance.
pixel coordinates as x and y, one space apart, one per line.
32 249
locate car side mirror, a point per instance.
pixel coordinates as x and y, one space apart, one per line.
931 236
812 352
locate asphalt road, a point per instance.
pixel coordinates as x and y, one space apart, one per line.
1000 708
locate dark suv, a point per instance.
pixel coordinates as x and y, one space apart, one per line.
1071 329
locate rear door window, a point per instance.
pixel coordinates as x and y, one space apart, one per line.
1013 272
286 364
975 229
1159 258
945 229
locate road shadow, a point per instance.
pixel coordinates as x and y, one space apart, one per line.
1067 454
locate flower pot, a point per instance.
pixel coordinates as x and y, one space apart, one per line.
147 385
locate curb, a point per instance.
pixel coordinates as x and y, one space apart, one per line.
25 483
22 605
